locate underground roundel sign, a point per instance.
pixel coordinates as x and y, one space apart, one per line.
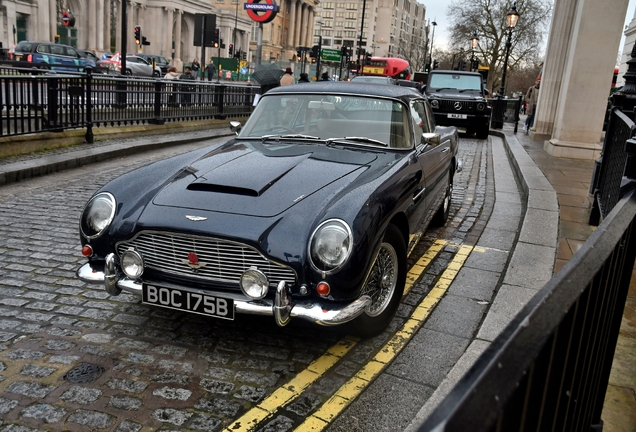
262 11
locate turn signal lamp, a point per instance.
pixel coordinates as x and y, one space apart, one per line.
323 289
87 251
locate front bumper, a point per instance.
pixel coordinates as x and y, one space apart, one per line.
283 308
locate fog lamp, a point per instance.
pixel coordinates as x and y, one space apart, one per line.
481 106
132 264
434 103
254 283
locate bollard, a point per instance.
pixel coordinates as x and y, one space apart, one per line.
219 93
52 106
158 120
89 105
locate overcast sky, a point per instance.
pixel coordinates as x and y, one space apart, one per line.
436 10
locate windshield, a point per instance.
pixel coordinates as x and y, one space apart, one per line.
454 81
325 117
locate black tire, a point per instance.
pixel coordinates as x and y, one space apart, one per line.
128 72
482 132
389 265
441 215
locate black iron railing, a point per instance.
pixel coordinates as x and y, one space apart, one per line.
36 100
550 367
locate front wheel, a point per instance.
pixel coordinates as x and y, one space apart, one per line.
385 285
441 215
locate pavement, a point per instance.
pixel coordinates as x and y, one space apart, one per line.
520 246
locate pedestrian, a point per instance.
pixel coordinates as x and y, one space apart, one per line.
288 78
195 67
170 88
325 77
211 70
303 78
186 89
531 99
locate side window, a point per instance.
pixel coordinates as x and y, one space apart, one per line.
420 119
431 117
56 49
71 52
44 49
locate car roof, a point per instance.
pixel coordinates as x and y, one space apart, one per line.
453 72
361 89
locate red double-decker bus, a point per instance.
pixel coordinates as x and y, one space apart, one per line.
395 68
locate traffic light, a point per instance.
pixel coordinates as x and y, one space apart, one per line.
230 50
314 52
435 64
367 57
427 67
144 41
299 53
216 37
138 35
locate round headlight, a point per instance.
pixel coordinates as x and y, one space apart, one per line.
330 245
97 215
254 283
481 106
434 103
132 264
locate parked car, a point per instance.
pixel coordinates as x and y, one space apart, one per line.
135 66
100 66
306 214
160 61
371 79
458 99
47 55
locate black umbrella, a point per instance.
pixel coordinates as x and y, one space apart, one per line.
268 74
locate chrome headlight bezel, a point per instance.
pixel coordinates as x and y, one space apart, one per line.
317 258
481 106
254 278
87 226
136 260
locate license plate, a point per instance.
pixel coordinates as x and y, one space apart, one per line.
458 116
198 303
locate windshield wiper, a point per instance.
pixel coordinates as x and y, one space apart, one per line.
290 136
463 90
331 141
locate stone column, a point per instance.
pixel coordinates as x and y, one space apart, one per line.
591 58
106 41
99 25
90 28
52 21
177 38
302 28
558 43
130 13
298 25
43 19
118 31
292 21
310 24
168 38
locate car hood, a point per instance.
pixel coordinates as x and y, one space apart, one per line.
251 178
468 96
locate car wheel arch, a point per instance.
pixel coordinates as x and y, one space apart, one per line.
402 223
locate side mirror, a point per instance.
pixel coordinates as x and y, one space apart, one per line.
431 138
235 127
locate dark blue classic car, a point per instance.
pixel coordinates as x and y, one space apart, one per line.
308 213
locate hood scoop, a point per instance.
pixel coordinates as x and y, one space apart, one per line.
233 190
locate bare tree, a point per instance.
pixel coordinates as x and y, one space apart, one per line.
414 53
488 19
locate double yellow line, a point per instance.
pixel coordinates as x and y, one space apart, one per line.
352 388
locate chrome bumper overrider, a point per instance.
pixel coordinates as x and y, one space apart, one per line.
282 308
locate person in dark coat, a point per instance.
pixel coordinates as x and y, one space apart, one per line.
325 77
211 70
186 90
303 78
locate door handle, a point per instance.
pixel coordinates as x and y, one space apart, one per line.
445 150
418 193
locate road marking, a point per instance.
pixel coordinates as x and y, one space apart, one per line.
320 419
297 385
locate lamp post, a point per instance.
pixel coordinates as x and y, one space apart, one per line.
319 49
430 59
364 9
513 16
474 41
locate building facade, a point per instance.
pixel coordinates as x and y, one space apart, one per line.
167 25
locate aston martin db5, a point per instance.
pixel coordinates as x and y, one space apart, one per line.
308 213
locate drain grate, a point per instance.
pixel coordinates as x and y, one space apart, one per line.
84 373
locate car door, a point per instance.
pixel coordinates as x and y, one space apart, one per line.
434 158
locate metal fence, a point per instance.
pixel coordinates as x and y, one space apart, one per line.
34 100
505 110
550 367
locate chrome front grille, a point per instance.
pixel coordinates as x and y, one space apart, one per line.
221 260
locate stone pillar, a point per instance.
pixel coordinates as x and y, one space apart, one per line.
292 21
177 38
106 40
302 27
591 58
90 28
556 54
130 14
298 25
168 37
99 25
52 20
310 24
118 31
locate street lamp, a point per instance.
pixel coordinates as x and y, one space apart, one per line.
513 16
474 41
364 9
319 49
430 59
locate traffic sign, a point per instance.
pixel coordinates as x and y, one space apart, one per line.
330 54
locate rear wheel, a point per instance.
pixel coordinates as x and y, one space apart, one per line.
385 285
441 215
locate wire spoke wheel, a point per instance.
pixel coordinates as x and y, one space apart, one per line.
382 280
